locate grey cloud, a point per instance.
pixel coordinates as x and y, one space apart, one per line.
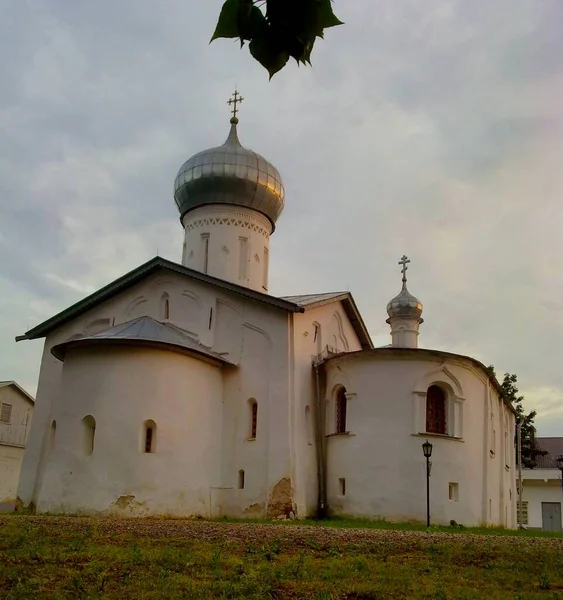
429 129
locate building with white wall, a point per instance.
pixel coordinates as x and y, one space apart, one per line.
542 491
186 389
16 411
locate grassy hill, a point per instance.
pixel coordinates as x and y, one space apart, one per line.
73 557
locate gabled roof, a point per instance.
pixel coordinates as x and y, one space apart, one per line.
554 448
310 301
152 266
144 331
19 388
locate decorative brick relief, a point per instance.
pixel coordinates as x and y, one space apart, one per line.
227 221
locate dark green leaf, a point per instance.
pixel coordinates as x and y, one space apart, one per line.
325 17
252 24
266 50
231 14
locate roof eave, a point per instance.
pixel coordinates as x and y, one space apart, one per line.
118 285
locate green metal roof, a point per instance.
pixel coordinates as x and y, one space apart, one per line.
138 274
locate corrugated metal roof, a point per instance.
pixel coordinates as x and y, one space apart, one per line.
138 274
143 331
554 448
308 299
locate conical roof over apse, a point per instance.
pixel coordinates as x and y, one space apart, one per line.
144 331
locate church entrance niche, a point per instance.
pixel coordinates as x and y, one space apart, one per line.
435 410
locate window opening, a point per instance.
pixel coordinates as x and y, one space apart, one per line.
453 492
435 410
5 413
523 516
205 240
241 480
341 410
253 419
89 434
149 437
243 258
342 486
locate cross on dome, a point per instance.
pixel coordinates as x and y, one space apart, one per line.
404 261
236 99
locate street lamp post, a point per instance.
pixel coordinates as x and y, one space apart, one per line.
559 463
427 450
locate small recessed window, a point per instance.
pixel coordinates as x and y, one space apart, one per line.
149 437
241 480
342 486
253 419
88 434
453 492
5 413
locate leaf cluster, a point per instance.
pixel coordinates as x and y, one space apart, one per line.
286 28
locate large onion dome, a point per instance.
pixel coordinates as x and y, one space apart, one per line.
230 174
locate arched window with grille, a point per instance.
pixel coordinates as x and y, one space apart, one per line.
341 410
436 410
149 437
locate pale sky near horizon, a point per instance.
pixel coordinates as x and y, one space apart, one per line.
432 129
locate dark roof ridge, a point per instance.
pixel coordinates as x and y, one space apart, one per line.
138 274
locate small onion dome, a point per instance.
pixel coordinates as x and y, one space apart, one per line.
404 305
230 174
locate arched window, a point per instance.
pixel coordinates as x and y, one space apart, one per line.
165 301
241 480
253 418
149 437
435 410
341 408
88 434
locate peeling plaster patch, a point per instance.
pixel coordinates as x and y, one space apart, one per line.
280 503
255 508
129 505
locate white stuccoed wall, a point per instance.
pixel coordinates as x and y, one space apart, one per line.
122 387
382 461
540 485
336 331
253 333
13 438
238 242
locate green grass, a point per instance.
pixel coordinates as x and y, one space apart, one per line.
82 558
358 523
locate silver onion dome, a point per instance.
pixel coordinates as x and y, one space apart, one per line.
230 174
405 304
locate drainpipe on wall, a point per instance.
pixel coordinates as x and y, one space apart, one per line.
520 490
321 463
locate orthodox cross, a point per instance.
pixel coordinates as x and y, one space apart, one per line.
236 99
404 261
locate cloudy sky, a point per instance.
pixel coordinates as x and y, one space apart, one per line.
432 128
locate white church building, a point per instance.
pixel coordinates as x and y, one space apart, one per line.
187 390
